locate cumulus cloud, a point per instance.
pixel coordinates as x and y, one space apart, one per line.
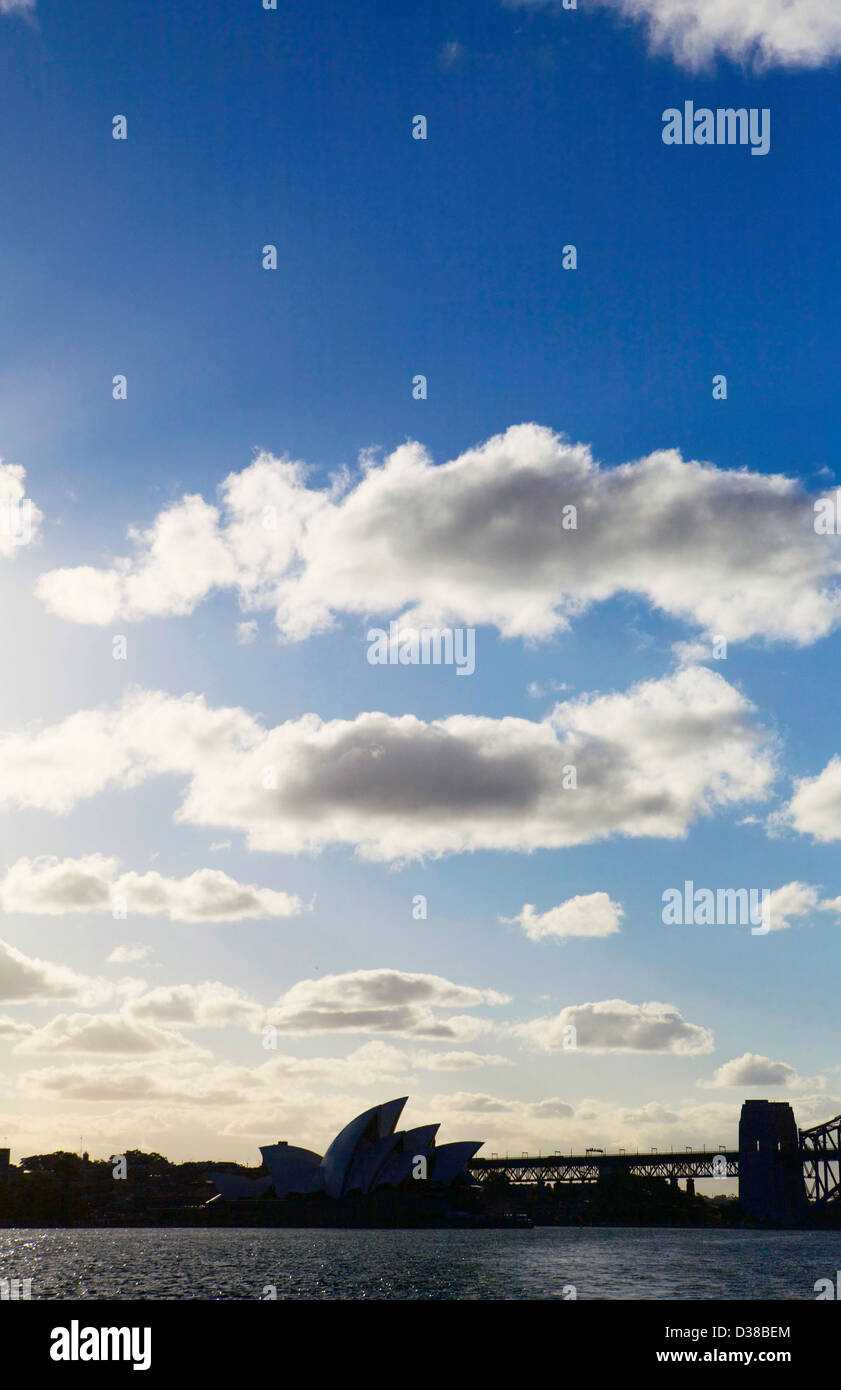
792 900
613 1025
28 980
109 1033
590 914
815 808
763 33
797 900
210 1004
553 1109
475 1103
51 887
648 761
382 1001
751 1069
523 532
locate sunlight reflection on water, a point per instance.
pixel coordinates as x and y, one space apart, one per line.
330 1264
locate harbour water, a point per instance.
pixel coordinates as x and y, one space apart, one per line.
543 1263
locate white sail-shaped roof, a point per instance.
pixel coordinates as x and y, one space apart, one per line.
399 1163
367 1161
373 1124
450 1159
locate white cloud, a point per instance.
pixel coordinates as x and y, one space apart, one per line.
792 900
381 1001
751 1069
764 33
590 914
648 761
692 653
797 900
187 1084
210 1004
731 552
124 955
614 1025
51 887
815 808
27 980
11 1028
456 1061
474 1104
552 1109
536 690
108 1033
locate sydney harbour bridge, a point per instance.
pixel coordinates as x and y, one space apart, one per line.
783 1172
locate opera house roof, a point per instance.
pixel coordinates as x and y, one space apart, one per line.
368 1153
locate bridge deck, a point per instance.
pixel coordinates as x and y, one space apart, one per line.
591 1167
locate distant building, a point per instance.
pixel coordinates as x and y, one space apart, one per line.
368 1153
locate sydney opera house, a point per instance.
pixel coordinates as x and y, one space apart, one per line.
368 1155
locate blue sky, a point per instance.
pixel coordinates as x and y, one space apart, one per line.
395 257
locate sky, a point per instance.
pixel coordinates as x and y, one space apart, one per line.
277 374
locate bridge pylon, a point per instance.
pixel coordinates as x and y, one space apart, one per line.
771 1185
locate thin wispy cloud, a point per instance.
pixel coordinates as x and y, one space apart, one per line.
128 954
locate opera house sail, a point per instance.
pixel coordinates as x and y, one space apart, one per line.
370 1154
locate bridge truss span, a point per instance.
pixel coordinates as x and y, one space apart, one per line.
820 1148
578 1168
